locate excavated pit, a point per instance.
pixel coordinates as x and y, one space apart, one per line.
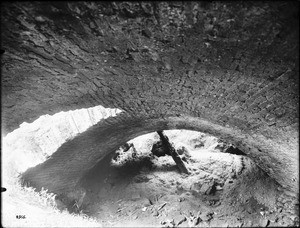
135 188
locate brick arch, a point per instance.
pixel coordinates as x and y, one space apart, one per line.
234 65
64 169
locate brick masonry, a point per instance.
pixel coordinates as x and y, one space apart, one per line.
232 65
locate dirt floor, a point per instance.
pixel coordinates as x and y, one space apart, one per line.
137 188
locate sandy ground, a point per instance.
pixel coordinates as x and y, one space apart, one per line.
144 190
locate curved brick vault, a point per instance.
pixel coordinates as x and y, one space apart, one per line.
229 69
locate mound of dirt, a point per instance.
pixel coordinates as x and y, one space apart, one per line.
140 189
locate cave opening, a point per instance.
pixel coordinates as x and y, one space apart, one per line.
137 185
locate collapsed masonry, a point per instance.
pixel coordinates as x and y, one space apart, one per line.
228 69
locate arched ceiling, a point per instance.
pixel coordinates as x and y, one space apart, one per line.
231 64
64 169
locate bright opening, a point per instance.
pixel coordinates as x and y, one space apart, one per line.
30 145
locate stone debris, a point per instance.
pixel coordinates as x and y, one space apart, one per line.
206 216
205 188
168 223
160 191
181 219
219 188
155 213
264 222
194 220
